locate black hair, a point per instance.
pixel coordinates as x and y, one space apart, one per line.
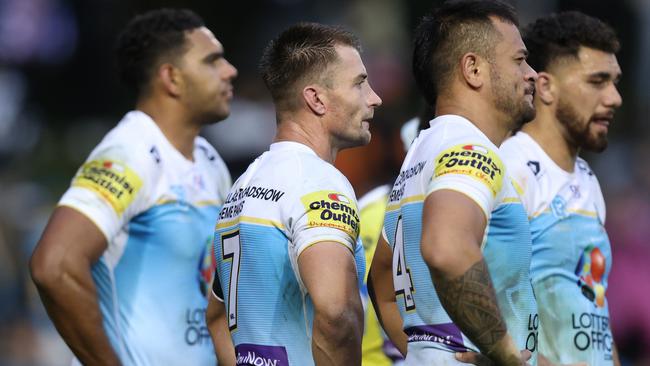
149 39
561 35
447 33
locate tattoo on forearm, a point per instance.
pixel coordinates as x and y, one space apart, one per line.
471 303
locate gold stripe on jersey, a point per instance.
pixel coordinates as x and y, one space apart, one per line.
571 210
405 201
250 220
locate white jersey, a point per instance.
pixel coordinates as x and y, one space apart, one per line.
454 154
157 211
287 200
571 253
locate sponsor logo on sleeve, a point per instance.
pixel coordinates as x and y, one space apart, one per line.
114 182
447 335
331 209
475 161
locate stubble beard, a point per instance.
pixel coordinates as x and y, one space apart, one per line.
578 129
519 110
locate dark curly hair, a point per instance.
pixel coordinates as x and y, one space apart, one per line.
447 33
300 52
561 35
148 40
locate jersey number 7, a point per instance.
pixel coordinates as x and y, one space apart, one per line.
231 249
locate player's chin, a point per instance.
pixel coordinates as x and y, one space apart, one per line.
217 115
596 143
362 139
366 136
528 112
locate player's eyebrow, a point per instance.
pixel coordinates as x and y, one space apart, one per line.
212 57
605 75
361 77
522 52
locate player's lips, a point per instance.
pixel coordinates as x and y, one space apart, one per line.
530 90
602 120
229 92
365 123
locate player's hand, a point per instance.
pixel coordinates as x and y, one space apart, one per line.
478 359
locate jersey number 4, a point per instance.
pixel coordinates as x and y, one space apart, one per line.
231 249
401 273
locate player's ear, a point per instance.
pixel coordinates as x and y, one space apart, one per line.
315 98
473 70
171 79
545 87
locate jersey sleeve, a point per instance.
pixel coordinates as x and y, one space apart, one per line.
326 215
360 262
472 169
111 187
324 209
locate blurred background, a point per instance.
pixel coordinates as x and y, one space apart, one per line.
59 95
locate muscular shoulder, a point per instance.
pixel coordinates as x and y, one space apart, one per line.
132 142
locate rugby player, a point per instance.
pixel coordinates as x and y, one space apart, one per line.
454 258
377 349
575 99
124 264
289 261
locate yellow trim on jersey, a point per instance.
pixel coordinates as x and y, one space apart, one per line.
511 200
250 220
487 214
517 187
575 211
167 201
207 203
257 220
535 214
329 240
585 212
405 201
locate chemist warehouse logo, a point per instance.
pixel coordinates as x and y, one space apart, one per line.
475 161
114 182
331 209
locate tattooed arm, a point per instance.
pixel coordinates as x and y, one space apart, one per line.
452 232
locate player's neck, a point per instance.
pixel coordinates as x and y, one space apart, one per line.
176 125
546 131
291 129
482 118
